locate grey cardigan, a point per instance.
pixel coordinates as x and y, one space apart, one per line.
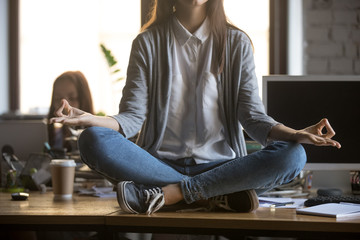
145 102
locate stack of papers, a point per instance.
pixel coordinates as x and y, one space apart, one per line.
281 202
102 192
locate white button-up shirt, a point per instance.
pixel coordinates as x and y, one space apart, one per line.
194 128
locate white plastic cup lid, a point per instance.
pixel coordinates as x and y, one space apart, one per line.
63 162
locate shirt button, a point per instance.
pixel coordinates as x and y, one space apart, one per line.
189 151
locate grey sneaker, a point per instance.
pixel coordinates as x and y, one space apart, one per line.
137 198
244 201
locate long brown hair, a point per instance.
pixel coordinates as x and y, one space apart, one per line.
84 97
162 9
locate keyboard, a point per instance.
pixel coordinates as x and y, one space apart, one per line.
331 199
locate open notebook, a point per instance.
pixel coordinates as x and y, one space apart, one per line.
336 210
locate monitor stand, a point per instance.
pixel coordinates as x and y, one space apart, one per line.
339 179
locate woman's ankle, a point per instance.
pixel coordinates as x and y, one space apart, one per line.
172 194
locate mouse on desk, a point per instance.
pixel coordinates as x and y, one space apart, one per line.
19 196
329 192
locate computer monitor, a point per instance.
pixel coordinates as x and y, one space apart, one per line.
300 101
24 136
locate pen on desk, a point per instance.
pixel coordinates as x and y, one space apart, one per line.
281 204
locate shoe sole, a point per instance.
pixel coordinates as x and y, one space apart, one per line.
254 200
121 196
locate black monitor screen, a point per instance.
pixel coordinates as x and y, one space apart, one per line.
299 104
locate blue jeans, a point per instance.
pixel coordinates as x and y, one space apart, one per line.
118 159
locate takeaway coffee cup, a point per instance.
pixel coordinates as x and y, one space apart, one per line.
62 172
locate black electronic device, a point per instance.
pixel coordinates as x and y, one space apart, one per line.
24 136
331 199
19 196
301 101
329 192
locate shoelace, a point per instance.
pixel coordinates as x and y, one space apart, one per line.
220 201
155 199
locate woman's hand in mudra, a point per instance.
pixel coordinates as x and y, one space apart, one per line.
314 135
69 115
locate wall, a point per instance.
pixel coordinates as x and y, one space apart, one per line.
4 101
295 38
332 37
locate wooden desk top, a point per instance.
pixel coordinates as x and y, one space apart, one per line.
42 209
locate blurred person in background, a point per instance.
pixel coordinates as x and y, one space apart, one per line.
72 86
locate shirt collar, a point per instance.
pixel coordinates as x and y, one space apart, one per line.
183 35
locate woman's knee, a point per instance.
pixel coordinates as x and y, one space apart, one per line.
87 138
288 155
86 142
290 160
92 142
294 156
